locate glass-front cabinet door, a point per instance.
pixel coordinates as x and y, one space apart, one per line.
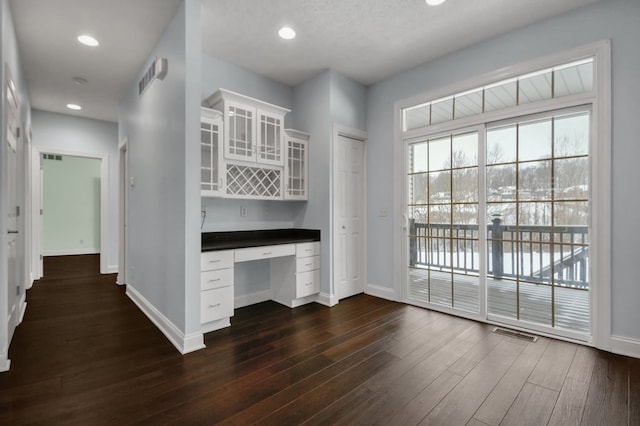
240 122
270 138
211 175
296 167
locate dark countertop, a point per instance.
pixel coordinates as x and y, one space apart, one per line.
241 239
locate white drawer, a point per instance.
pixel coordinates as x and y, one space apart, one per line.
216 260
307 283
307 249
304 264
264 252
216 278
216 304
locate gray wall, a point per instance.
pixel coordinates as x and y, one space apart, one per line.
53 131
319 102
218 74
348 101
312 114
162 129
608 19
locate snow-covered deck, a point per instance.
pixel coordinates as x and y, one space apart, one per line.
571 305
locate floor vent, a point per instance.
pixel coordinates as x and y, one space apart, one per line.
516 334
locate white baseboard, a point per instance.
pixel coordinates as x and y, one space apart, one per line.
112 269
625 346
297 302
70 252
17 312
327 299
5 363
381 292
184 343
23 308
251 299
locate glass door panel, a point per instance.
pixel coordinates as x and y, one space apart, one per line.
537 189
442 206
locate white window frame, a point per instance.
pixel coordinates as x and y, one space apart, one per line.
599 98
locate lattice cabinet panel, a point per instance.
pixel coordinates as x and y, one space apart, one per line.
253 182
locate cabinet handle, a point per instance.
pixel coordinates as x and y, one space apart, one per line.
214 261
213 281
214 306
307 284
308 250
308 264
266 253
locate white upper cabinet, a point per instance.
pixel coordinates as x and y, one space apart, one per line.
253 129
246 153
211 165
296 167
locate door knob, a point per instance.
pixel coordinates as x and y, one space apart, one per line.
344 227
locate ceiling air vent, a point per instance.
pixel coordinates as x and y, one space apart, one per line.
158 69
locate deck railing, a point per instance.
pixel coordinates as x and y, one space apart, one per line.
532 253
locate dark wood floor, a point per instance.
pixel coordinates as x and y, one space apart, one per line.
86 355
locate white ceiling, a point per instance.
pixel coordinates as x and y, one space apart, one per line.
368 40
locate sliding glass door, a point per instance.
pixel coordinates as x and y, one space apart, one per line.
498 221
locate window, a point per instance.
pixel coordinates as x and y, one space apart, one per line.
550 83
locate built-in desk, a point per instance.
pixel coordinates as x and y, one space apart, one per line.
294 256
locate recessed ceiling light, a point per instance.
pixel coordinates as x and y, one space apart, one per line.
287 33
435 2
74 107
88 40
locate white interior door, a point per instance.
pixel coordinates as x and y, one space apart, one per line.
11 193
348 214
